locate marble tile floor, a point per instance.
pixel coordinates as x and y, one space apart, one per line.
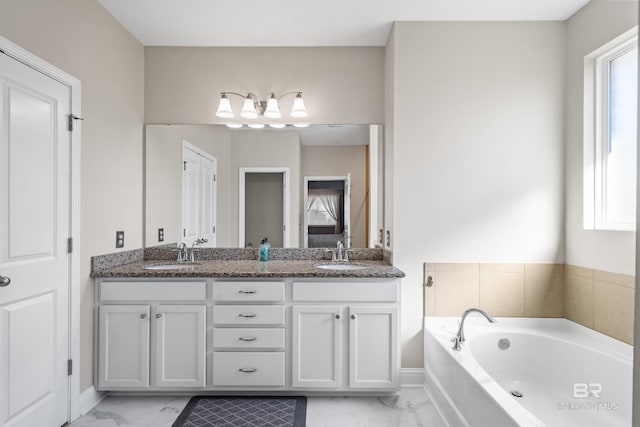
411 408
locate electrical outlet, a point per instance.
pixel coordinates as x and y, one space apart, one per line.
119 239
160 234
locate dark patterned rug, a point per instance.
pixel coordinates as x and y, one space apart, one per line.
239 411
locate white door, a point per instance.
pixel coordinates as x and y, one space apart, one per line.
208 216
373 331
34 227
124 346
179 334
316 346
190 196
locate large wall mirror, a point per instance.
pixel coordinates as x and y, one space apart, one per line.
297 187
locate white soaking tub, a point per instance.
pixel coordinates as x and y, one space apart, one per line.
565 374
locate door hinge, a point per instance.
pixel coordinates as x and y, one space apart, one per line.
73 117
69 367
184 166
214 229
70 245
214 177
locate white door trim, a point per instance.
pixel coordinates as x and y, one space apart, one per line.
241 201
74 85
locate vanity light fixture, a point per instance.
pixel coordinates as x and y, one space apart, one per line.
254 107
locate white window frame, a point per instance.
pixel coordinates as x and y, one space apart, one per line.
596 130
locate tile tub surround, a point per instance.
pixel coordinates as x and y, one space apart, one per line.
411 408
599 300
251 269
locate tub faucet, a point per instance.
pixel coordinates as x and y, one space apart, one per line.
459 338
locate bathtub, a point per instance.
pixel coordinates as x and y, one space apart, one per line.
527 372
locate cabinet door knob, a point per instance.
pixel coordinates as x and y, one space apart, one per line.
4 281
158 315
248 370
353 316
143 316
247 315
337 317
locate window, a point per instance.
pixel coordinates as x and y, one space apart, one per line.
611 116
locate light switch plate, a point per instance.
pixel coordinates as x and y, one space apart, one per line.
160 234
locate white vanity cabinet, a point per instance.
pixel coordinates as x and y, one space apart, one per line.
285 335
344 338
151 335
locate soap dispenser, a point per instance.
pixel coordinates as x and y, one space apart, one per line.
264 250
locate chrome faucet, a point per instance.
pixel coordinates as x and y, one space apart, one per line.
195 248
459 338
339 254
183 252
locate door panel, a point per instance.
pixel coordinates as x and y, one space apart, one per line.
316 347
180 345
190 195
373 330
124 346
34 227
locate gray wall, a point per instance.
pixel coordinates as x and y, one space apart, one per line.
477 134
81 38
340 84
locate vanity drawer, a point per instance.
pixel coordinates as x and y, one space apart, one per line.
238 315
248 291
248 369
347 291
240 338
152 291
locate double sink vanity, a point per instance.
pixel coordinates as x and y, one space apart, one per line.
296 323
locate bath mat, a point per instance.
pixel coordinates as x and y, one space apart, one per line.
240 411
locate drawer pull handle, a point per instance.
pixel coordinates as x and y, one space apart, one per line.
248 339
247 315
248 370
252 291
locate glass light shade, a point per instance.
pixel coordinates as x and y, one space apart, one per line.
234 125
298 109
248 109
272 111
256 125
277 125
224 108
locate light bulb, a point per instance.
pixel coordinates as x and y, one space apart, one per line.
224 107
248 109
272 111
256 125
298 109
234 125
301 125
277 125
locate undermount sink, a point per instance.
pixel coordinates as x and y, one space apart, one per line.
167 266
341 266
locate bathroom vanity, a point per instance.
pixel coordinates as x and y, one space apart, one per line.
280 326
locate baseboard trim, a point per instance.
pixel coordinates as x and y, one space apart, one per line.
412 377
90 398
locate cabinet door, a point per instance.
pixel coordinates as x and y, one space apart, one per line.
316 346
123 346
179 335
373 347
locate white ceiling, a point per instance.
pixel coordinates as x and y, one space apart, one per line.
309 22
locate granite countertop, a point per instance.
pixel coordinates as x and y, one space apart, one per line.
250 269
